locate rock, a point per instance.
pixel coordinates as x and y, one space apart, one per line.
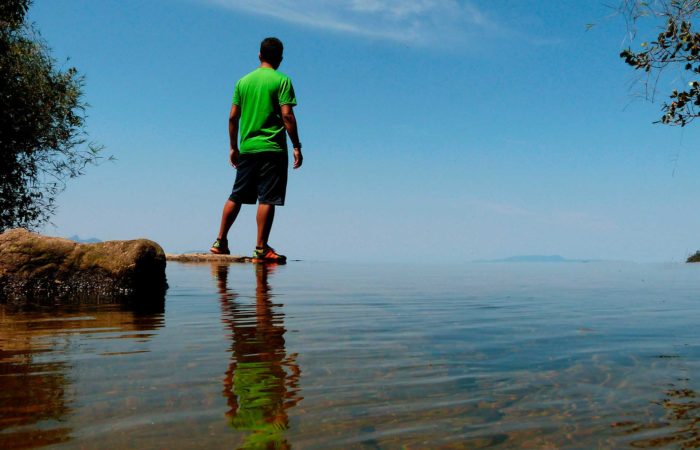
35 268
207 257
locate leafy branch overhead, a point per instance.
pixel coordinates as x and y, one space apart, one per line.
676 46
43 142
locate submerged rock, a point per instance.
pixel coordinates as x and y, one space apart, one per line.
40 268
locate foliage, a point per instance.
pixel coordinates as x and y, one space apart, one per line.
42 138
676 46
694 258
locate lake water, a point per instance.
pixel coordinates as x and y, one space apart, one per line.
312 355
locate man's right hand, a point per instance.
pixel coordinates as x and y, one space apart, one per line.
298 158
233 156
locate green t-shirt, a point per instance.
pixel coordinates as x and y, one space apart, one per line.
259 95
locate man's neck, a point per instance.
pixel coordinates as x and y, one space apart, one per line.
266 65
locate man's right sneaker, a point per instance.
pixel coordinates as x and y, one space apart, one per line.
267 254
220 247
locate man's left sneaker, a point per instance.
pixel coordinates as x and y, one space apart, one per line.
268 254
220 247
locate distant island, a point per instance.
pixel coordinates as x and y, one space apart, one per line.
534 259
77 238
694 258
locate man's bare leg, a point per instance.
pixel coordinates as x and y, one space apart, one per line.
229 215
265 217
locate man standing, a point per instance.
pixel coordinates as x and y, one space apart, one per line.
262 112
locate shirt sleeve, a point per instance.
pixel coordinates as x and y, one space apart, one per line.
286 94
236 96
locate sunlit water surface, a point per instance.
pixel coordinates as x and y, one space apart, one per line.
312 355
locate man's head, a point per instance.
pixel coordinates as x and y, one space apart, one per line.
271 51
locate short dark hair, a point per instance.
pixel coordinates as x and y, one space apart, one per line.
271 50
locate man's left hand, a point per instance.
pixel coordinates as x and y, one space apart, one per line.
233 156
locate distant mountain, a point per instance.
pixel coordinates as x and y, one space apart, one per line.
535 259
77 238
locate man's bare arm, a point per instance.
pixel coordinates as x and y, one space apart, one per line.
234 118
290 124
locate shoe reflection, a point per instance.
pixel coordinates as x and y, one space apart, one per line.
262 381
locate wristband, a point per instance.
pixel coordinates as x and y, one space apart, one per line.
298 145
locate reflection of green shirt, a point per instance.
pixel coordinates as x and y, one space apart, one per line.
259 387
260 94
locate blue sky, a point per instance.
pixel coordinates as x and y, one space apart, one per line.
433 130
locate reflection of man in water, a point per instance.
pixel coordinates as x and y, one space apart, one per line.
261 382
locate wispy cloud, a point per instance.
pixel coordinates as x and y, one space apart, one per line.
420 22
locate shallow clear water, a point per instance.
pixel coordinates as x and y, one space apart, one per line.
311 355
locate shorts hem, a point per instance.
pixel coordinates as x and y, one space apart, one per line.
241 201
253 202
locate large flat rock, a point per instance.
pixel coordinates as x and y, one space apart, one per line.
40 268
206 258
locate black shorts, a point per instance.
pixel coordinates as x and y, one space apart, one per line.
262 177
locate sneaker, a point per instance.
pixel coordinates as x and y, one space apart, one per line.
220 247
267 254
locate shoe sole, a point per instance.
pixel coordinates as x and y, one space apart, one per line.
270 260
218 252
